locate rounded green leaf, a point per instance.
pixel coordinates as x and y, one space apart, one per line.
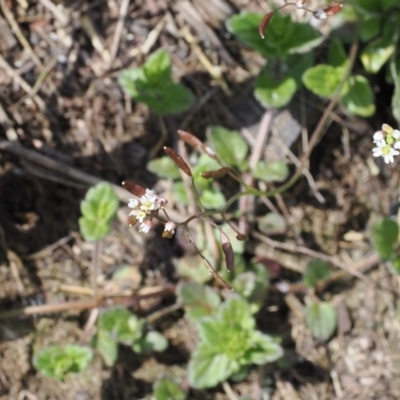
274 171
359 98
396 265
98 208
207 370
197 299
316 270
179 193
282 36
384 235
57 361
93 230
323 79
272 92
167 389
155 341
230 146
164 167
378 52
107 346
272 223
152 85
211 199
321 319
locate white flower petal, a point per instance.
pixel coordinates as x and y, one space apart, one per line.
133 203
378 136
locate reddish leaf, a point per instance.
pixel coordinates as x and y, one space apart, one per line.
133 188
264 23
219 173
178 160
228 251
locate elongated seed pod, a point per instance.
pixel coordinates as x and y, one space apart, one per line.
264 23
178 160
133 188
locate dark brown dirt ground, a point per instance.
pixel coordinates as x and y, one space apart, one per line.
59 98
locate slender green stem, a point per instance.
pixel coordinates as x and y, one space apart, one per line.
96 265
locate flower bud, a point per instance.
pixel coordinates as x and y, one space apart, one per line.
169 230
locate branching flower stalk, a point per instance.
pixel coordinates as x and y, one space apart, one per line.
147 205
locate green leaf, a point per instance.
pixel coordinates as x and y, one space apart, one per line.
321 319
121 324
245 27
272 92
384 235
207 369
283 36
197 299
359 98
107 346
337 57
378 52
179 193
263 349
230 146
164 167
57 361
279 80
316 270
93 230
394 69
272 223
167 389
296 65
153 341
370 27
98 208
396 265
228 341
152 85
274 171
323 79
211 199
253 285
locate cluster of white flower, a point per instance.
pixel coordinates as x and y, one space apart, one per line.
145 208
387 143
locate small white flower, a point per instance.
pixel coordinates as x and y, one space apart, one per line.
169 229
133 203
145 226
384 150
396 136
300 4
378 136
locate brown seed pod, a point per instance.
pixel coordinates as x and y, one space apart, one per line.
133 188
178 160
228 250
190 139
264 23
219 173
332 10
